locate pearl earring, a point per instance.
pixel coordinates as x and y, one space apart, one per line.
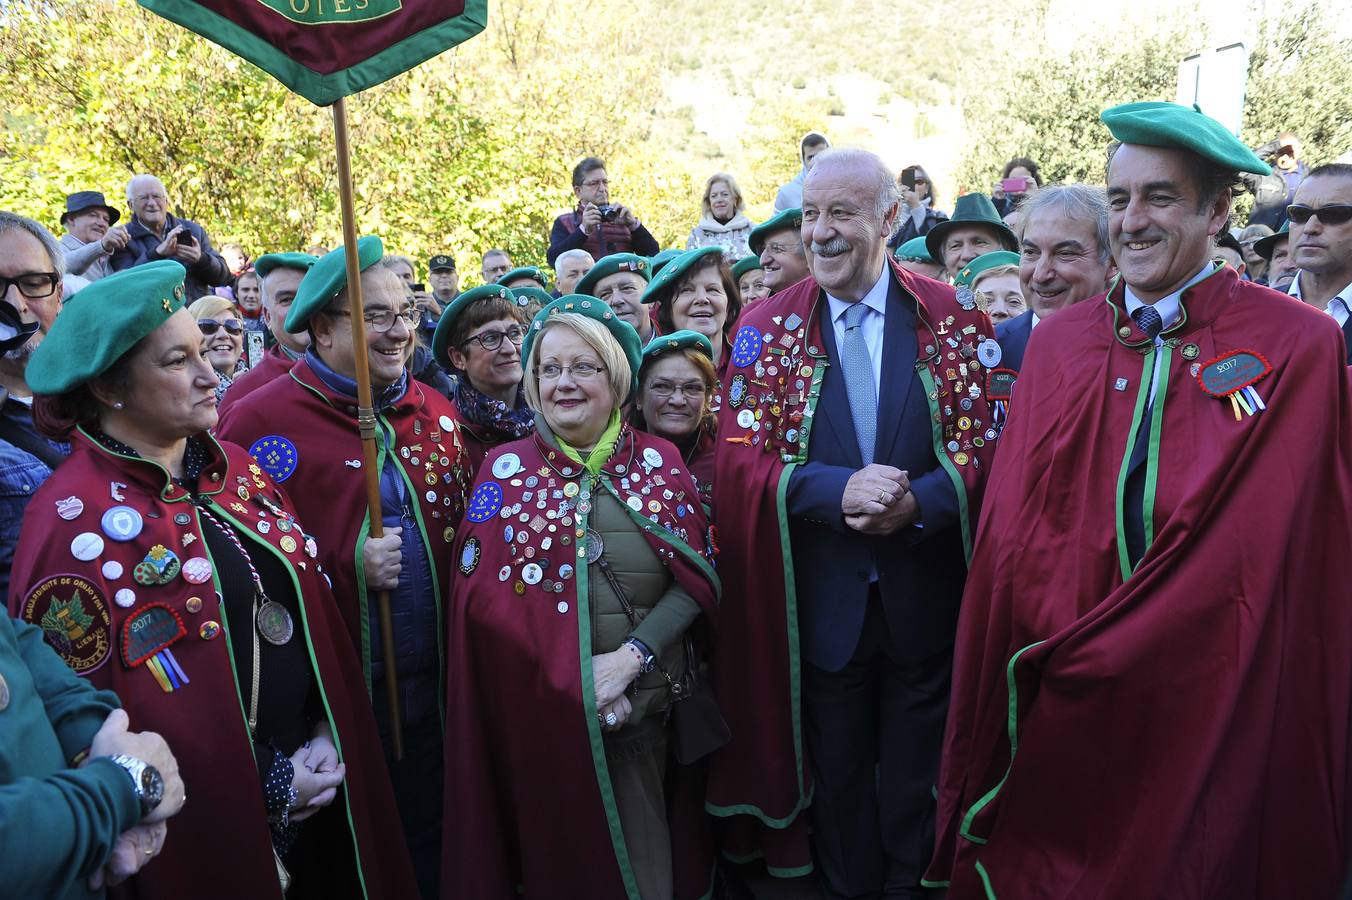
117 404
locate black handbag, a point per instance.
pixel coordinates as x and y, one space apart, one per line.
697 724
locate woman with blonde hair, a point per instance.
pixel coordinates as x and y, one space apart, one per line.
723 224
222 330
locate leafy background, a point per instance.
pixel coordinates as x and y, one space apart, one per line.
473 149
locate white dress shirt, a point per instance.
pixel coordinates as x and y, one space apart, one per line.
1338 305
1168 307
871 326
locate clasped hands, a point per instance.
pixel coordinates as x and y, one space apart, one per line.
878 500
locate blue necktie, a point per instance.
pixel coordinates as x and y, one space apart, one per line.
1149 321
859 385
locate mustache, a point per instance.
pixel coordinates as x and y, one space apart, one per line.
833 247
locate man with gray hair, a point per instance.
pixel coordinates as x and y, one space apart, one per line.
845 504
1064 259
31 268
153 234
569 268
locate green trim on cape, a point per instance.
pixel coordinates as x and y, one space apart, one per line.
1119 499
941 454
1152 459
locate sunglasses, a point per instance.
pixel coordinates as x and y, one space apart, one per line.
211 326
1334 214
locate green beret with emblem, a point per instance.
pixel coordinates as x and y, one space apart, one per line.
1265 247
983 263
269 261
685 339
614 264
968 210
592 308
102 322
525 296
789 218
745 264
534 273
663 257
664 282
327 279
441 338
1159 124
914 250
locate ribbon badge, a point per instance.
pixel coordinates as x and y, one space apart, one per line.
1232 376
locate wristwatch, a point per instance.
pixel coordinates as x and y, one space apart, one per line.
146 780
646 660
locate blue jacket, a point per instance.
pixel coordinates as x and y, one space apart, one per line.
209 271
1013 339
21 474
413 607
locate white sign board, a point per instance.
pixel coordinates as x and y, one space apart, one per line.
1215 81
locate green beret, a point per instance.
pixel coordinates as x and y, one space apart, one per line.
441 338
744 265
592 308
534 273
269 261
969 209
1265 247
613 265
983 263
664 282
914 250
663 257
524 295
102 322
1157 124
326 279
685 339
789 218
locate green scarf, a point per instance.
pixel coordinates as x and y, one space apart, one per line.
601 452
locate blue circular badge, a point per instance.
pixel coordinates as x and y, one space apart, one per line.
122 523
276 455
746 346
485 503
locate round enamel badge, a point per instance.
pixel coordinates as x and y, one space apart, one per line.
746 346
74 619
485 502
277 455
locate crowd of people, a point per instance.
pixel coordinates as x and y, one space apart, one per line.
871 550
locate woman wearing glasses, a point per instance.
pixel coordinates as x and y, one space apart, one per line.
167 566
222 338
479 339
676 385
584 563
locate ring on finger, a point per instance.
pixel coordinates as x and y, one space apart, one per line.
612 720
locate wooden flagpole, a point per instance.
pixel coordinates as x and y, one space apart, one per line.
366 417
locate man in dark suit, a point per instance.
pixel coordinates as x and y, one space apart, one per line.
1064 259
1321 244
877 528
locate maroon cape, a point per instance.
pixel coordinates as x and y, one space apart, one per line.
218 845
529 806
273 365
771 388
330 492
1180 730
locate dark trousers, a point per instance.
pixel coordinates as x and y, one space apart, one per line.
417 781
874 731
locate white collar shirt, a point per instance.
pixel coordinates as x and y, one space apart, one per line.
871 325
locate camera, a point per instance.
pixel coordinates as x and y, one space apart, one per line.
608 212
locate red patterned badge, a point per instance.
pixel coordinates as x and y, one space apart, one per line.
1232 376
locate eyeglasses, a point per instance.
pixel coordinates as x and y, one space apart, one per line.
784 248
692 390
492 340
211 326
581 371
33 285
146 198
382 320
596 182
1334 214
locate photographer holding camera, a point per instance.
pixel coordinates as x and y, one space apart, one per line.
154 234
1272 194
596 225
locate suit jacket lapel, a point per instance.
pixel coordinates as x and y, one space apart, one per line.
899 355
833 406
